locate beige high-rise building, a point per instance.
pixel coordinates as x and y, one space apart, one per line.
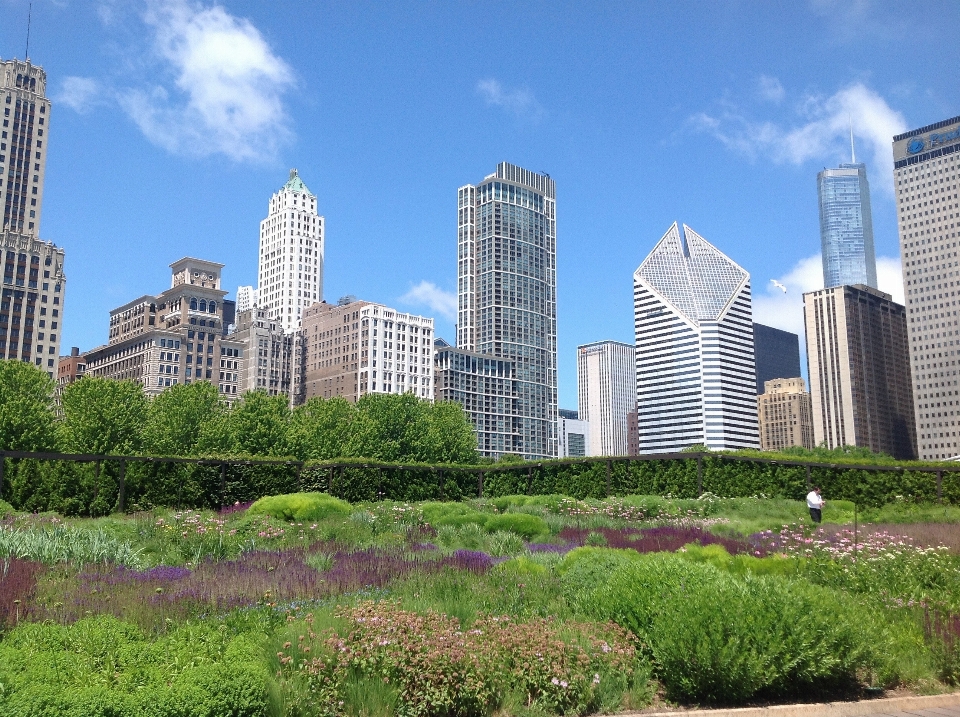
786 415
607 392
859 370
267 352
174 337
23 136
926 177
358 347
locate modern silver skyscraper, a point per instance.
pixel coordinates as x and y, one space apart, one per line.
507 290
846 226
693 317
607 392
926 175
23 157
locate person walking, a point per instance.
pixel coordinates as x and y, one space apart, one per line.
815 503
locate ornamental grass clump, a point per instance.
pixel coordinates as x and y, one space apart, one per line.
301 507
59 543
439 667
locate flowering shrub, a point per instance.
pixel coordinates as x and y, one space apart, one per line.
651 540
17 580
440 668
620 510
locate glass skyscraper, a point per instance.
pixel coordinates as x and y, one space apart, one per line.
507 292
846 226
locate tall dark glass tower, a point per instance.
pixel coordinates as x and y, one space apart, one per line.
507 292
846 226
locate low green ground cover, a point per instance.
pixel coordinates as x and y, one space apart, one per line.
521 605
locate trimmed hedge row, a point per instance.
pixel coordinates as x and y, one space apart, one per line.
72 488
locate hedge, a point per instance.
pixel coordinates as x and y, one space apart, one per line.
92 487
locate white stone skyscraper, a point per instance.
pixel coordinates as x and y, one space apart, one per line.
290 275
23 156
696 378
607 392
507 290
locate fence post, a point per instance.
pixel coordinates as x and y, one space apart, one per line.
699 474
609 469
330 482
529 479
300 477
939 486
123 478
443 492
96 483
479 484
179 486
223 484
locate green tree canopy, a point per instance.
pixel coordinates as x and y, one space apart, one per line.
320 428
101 415
451 437
26 408
390 427
179 415
258 424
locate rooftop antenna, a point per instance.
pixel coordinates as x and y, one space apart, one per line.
853 151
29 17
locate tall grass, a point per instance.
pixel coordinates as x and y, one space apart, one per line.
64 544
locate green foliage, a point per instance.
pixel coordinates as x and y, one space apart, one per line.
714 637
522 566
718 557
101 667
522 524
178 416
103 416
5 509
300 507
26 408
258 424
320 428
64 544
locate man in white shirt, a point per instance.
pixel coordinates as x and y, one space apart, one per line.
815 503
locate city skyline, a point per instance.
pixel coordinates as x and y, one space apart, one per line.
381 105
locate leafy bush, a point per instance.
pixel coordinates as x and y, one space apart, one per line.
717 638
5 509
300 506
102 667
525 525
452 514
522 566
717 556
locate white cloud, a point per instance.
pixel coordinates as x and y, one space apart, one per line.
428 294
825 135
519 102
79 93
227 89
770 89
773 307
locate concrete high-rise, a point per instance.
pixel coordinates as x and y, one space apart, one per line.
23 154
846 226
859 370
786 414
290 276
607 392
268 353
777 354
693 317
574 435
926 172
246 298
507 290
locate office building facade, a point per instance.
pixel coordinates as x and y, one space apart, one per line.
290 273
31 300
174 337
486 387
776 352
926 172
246 298
846 226
693 317
23 136
267 351
859 370
606 392
353 349
507 285
786 415
574 435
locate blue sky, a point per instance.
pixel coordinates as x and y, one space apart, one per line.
175 121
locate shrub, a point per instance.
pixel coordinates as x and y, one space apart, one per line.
452 514
5 509
523 524
717 638
522 566
301 506
741 564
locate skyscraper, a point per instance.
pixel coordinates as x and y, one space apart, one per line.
846 225
859 372
786 415
926 169
607 392
777 354
290 275
696 381
23 157
507 290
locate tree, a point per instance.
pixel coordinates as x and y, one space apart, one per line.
451 437
259 423
104 416
320 428
26 408
178 417
390 427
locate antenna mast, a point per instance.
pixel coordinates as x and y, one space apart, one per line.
853 151
29 17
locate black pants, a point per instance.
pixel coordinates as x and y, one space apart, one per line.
815 515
